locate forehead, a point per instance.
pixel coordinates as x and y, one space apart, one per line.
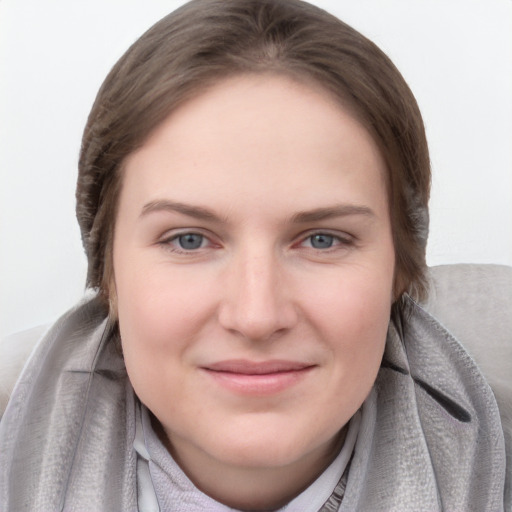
249 136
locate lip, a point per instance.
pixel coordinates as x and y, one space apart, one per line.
257 378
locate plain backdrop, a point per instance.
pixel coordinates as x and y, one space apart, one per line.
455 54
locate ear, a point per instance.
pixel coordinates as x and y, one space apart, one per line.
111 296
400 285
108 287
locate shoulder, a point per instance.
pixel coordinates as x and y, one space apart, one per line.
476 289
474 303
15 349
14 352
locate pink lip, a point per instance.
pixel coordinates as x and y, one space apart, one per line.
257 378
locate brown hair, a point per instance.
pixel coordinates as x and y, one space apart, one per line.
207 40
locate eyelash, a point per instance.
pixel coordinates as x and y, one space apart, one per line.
339 242
167 243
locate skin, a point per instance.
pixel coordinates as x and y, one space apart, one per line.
255 167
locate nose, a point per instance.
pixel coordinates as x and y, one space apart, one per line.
257 305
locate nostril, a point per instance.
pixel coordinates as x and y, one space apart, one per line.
257 323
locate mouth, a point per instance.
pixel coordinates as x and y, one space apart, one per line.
257 378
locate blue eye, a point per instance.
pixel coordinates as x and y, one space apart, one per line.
321 241
190 241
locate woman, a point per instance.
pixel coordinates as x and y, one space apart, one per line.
252 195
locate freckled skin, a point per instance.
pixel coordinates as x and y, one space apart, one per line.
255 283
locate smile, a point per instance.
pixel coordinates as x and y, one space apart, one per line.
257 378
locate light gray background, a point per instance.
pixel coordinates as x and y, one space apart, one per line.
455 54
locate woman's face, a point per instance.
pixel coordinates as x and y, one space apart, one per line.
253 262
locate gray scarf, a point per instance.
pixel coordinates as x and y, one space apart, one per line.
430 437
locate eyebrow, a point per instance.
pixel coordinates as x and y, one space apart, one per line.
197 212
303 217
343 210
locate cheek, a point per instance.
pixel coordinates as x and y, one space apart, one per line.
358 298
159 318
352 314
160 307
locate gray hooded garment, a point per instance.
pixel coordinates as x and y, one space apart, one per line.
430 437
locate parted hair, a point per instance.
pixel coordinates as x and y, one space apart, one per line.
205 41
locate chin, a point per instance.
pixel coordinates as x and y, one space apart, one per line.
265 444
